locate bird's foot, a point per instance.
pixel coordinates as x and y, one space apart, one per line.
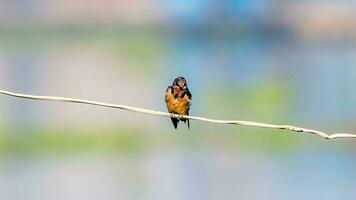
180 117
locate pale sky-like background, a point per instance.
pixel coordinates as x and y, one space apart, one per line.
274 61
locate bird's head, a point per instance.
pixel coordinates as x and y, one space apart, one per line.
181 83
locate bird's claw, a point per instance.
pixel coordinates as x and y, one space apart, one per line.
180 117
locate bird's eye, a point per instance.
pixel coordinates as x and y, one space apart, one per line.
185 87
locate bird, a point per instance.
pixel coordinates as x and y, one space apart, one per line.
178 100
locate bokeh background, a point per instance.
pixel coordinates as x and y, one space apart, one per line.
274 61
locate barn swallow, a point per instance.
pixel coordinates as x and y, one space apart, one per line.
178 100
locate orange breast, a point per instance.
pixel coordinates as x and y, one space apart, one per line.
181 107
178 106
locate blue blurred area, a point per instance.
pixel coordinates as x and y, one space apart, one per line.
274 61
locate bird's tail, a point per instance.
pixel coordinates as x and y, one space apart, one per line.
175 122
186 121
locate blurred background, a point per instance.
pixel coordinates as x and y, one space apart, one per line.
274 61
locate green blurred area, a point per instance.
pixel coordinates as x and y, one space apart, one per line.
138 46
127 141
